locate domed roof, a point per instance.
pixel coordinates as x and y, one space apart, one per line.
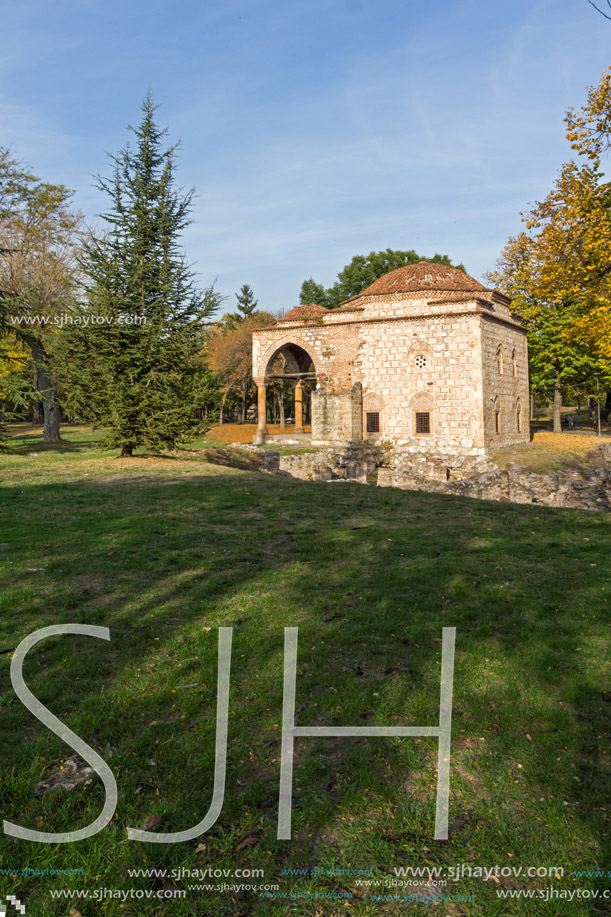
426 275
304 313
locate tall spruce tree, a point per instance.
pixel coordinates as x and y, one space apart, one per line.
247 304
129 364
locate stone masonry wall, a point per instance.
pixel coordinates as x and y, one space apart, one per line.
425 364
516 484
503 391
576 489
336 418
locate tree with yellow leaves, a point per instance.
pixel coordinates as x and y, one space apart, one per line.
558 270
39 278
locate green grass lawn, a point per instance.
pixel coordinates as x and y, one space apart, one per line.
164 551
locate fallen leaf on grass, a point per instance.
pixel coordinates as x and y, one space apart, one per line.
249 842
151 822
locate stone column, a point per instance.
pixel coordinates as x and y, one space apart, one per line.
299 407
259 437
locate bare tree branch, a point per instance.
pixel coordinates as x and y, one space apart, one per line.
600 11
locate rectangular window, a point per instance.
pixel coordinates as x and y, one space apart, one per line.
373 422
423 422
497 421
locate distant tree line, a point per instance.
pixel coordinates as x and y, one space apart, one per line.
360 273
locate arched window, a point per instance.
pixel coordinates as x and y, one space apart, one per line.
373 414
422 409
499 359
496 412
519 414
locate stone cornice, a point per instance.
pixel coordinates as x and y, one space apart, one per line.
423 316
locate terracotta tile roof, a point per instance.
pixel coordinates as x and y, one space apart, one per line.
305 313
350 305
425 275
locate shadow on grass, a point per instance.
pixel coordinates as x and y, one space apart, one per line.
370 576
233 458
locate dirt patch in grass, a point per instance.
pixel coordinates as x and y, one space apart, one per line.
548 452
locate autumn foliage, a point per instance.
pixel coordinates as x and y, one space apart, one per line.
558 269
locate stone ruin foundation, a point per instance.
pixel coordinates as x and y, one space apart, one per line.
461 475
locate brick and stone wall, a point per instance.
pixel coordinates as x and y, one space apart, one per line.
505 384
436 351
428 364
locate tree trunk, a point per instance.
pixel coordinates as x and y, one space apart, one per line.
127 451
37 412
244 389
281 406
605 409
223 400
592 410
52 414
532 406
52 420
557 405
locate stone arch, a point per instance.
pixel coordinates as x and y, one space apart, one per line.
500 361
373 402
423 414
419 356
296 351
373 414
419 347
423 400
497 416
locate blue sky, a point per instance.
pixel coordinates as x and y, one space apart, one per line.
312 130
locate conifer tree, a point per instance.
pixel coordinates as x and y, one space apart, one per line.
129 364
247 304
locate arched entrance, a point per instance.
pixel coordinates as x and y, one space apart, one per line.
286 362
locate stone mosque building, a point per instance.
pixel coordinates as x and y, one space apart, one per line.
425 358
